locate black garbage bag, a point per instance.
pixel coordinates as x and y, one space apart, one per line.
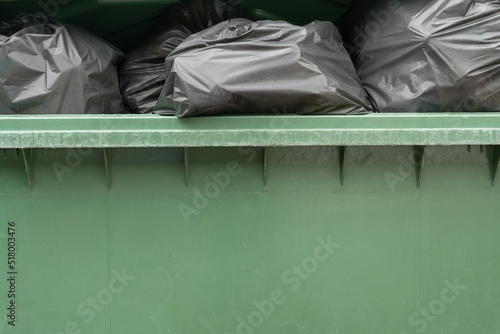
429 56
143 73
50 68
245 67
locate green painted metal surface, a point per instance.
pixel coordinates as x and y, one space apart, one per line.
156 131
228 254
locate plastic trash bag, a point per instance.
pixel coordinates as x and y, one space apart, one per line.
419 56
143 73
50 68
245 67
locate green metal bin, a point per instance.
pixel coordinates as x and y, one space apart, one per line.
143 224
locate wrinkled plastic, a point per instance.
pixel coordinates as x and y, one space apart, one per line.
420 56
263 67
50 68
143 73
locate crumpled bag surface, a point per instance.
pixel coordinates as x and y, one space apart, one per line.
263 67
143 73
430 56
50 68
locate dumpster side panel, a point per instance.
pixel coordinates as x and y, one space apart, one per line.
229 254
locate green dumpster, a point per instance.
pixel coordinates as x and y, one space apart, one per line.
382 223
